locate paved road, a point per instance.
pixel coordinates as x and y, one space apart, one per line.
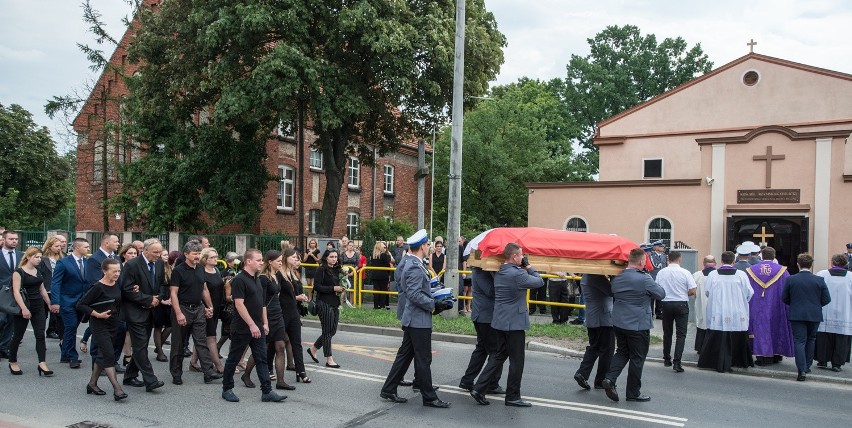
349 397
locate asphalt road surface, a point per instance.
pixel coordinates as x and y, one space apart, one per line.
349 396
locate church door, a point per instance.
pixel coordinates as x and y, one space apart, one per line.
787 235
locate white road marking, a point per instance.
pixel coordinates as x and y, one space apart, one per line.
543 402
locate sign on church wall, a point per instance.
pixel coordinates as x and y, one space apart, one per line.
769 196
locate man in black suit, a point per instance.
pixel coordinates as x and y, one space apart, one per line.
487 340
141 281
806 294
632 320
11 260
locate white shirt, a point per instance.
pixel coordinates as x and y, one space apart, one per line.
727 300
837 315
677 282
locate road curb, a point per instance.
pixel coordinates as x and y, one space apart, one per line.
394 332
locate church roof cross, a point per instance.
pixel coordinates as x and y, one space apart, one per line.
768 157
751 46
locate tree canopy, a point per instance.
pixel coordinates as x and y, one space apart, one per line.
34 183
518 135
623 69
368 74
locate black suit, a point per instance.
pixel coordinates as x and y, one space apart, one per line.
137 312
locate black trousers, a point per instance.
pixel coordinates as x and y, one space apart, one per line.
600 349
558 291
239 343
329 316
196 326
512 345
140 335
804 341
676 313
487 347
293 328
416 346
539 294
381 300
54 324
631 347
37 319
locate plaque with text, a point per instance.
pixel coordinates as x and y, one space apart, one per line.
769 196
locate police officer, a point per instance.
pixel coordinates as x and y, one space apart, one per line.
416 318
849 256
659 259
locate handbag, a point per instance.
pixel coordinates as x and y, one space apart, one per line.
313 309
8 304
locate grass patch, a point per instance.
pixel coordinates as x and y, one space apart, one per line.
460 325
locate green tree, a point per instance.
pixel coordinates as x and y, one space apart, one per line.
519 135
367 74
624 68
34 180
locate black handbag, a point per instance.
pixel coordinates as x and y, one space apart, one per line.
8 304
313 309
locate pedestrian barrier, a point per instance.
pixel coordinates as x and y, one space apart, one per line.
359 288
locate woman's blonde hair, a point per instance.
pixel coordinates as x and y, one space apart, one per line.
30 253
45 249
205 254
377 249
286 269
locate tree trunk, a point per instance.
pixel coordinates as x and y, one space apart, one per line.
333 145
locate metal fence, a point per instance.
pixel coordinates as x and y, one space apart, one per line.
142 236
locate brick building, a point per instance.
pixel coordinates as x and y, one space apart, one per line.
389 189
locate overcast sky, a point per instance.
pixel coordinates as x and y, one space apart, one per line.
39 57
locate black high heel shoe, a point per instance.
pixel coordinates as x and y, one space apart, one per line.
94 390
313 357
15 372
119 397
303 378
46 373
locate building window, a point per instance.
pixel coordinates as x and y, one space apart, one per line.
316 159
352 225
314 221
389 179
576 224
98 161
652 168
286 129
354 172
660 228
286 187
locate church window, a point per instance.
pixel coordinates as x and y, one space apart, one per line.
652 168
660 228
576 224
751 77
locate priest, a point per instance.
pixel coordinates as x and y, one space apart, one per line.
772 338
835 333
700 278
728 293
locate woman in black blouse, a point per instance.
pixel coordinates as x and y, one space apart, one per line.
26 278
101 303
312 256
327 291
275 339
436 260
216 288
380 278
292 296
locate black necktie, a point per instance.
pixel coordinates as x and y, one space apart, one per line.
11 260
80 263
151 271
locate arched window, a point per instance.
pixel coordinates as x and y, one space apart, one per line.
576 224
660 228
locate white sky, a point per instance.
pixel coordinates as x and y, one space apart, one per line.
39 57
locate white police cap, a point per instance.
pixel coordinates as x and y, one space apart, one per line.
418 239
744 249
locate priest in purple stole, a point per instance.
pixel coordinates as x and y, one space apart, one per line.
768 324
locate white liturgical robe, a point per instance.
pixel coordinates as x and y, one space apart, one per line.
727 300
837 315
700 301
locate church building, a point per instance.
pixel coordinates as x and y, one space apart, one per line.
756 150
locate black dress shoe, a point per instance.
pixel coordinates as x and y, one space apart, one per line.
641 398
211 378
119 397
437 403
582 381
678 368
152 386
835 369
518 403
465 386
667 363
74 364
479 397
133 382
393 397
162 359
52 335
576 321
609 388
94 390
801 377
64 360
272 397
285 386
496 391
177 380
405 383
230 396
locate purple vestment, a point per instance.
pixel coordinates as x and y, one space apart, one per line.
767 313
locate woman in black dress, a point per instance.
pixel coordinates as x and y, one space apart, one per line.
380 278
327 292
312 256
26 278
292 296
216 287
101 303
436 260
275 339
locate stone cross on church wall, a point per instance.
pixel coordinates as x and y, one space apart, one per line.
751 46
768 157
